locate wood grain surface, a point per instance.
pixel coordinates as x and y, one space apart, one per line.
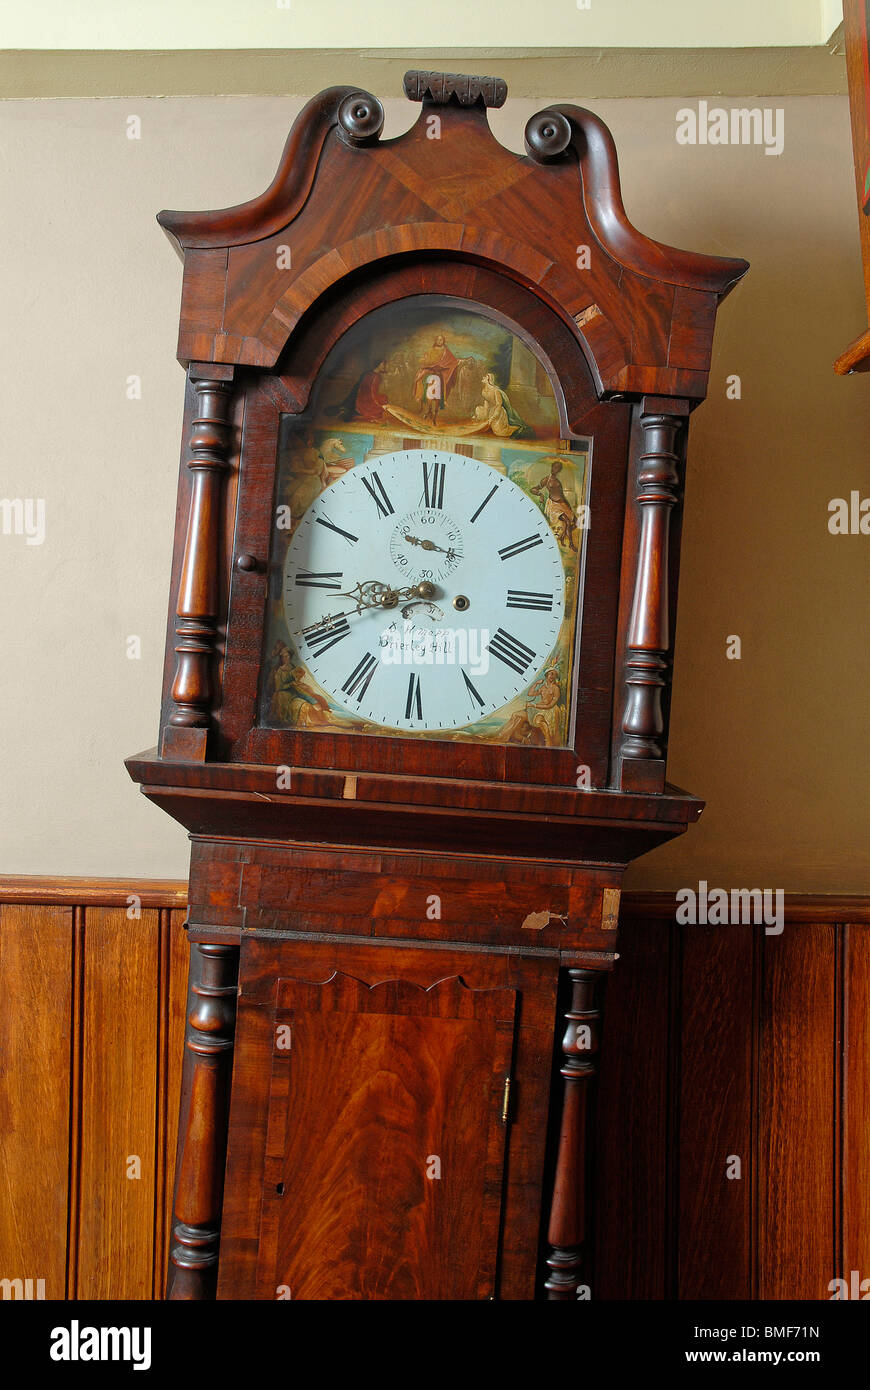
36 984
119 1104
715 1042
392 1190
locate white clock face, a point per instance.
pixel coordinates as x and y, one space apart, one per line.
423 590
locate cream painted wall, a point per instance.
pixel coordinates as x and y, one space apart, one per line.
775 742
832 17
166 24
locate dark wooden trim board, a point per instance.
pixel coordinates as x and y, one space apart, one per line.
92 892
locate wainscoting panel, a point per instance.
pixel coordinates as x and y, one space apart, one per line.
732 1153
37 954
93 981
713 1043
733 1105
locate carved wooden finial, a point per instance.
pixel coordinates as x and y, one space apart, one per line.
442 87
547 134
361 118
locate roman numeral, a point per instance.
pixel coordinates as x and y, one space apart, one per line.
433 484
322 521
308 579
414 701
378 495
360 677
471 690
484 502
322 638
517 548
523 598
512 652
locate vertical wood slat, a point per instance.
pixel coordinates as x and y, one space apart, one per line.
162 1117
672 1101
35 1018
630 1163
715 1107
755 1107
838 1117
856 1109
119 1109
75 1093
796 1178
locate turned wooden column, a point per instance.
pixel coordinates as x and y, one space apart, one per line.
647 655
567 1228
202 1135
199 584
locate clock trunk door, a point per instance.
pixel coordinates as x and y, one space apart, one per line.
386 1140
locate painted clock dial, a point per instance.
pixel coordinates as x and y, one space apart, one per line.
430 455
424 590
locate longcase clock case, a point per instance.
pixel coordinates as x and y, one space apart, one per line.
399 928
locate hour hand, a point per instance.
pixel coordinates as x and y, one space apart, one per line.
368 593
372 594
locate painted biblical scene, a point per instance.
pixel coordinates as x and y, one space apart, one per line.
428 540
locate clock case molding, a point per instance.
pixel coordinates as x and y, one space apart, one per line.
536 859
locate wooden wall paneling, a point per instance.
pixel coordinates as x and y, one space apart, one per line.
119 1103
855 1115
35 1037
632 1119
92 1043
796 1218
715 1108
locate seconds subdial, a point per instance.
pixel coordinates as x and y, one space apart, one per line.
426 544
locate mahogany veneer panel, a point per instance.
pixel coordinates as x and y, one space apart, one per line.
534 980
371 894
369 1087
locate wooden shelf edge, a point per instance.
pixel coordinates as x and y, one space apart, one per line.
856 357
799 907
42 890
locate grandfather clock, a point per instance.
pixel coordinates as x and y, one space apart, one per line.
415 703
